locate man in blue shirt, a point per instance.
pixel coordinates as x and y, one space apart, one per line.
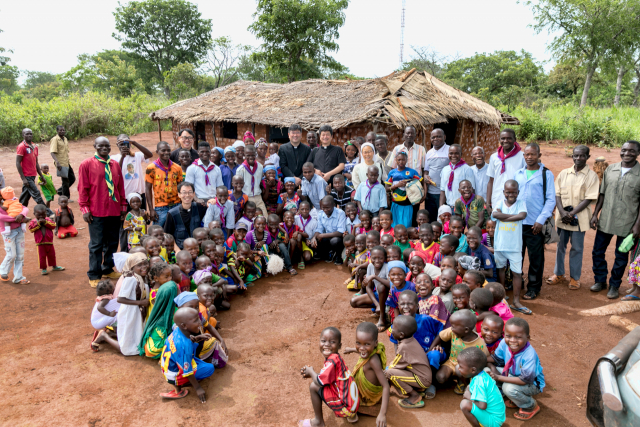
328 235
540 206
313 187
371 195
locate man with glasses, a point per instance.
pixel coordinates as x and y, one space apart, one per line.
186 138
186 217
293 154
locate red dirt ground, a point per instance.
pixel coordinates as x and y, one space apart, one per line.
52 377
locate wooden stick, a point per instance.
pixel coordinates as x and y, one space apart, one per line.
622 307
622 323
159 131
475 134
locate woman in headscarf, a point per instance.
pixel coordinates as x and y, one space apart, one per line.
132 293
160 321
239 147
248 138
367 158
262 149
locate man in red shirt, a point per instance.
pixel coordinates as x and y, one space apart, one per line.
28 168
103 204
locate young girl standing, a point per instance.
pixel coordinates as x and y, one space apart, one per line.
351 152
135 221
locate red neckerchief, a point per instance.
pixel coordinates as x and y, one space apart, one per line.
159 164
511 362
252 172
206 170
452 174
515 150
467 206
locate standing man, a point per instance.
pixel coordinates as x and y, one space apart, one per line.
103 205
161 184
327 160
294 154
480 169
132 170
28 167
59 149
204 174
503 166
435 160
370 138
329 232
382 147
312 139
456 171
618 201
186 139
540 206
251 173
576 189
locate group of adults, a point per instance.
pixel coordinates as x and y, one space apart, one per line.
104 181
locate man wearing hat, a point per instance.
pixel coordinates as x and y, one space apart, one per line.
204 174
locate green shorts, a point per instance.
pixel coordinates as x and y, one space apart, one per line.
486 419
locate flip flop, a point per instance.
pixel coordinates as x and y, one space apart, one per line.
353 419
301 266
523 310
524 415
408 405
95 335
4 279
22 281
293 272
175 395
304 423
630 298
459 389
509 404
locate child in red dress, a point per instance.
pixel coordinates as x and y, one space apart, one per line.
41 226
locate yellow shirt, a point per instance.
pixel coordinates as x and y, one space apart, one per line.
60 146
574 187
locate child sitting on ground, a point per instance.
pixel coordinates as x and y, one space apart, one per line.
334 385
105 310
482 404
401 234
135 222
368 373
280 243
360 263
397 274
238 235
64 219
410 372
41 226
436 227
152 246
473 279
394 253
13 207
289 200
365 223
492 330
521 374
179 362
48 189
169 245
375 287
461 295
430 304
462 335
192 246
417 266
249 215
446 281
480 301
499 306
426 244
243 266
386 221
184 262
352 220
478 250
448 245
349 252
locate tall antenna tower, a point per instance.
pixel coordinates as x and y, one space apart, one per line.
404 4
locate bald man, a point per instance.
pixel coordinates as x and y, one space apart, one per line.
28 167
480 169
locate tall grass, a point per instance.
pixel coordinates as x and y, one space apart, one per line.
600 126
81 115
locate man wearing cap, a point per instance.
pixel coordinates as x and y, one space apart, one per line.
294 154
187 216
204 174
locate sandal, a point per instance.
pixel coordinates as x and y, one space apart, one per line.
554 280
44 272
404 403
509 404
574 285
22 281
301 265
57 268
4 277
630 298
292 271
530 295
460 388
523 310
526 415
174 394
429 393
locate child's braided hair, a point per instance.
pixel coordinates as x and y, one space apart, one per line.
157 268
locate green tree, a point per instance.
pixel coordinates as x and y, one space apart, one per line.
222 60
297 36
426 59
38 78
163 33
8 73
117 77
590 30
184 81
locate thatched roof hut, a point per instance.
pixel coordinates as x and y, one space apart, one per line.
351 107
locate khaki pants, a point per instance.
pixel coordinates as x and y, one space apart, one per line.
259 204
406 381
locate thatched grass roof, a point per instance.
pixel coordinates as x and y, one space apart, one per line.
401 98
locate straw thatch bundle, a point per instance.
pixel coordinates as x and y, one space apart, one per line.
399 99
621 307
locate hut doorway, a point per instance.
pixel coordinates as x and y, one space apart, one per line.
449 129
200 132
230 130
279 135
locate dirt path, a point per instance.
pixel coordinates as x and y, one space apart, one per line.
52 377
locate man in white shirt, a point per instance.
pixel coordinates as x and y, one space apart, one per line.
456 171
205 176
435 160
480 169
503 166
133 172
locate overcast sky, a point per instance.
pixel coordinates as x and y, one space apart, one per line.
49 35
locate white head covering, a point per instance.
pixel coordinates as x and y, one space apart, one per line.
237 144
132 195
444 209
367 144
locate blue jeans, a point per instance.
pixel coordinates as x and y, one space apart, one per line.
575 255
162 214
14 248
600 272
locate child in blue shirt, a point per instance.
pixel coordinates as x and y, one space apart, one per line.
508 215
482 403
521 374
371 195
397 273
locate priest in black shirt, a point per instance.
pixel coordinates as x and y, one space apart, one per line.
186 137
184 218
327 159
293 154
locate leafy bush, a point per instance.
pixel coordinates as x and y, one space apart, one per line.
81 115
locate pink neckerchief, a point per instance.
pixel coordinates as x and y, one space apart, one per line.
252 172
166 170
515 150
222 218
206 170
452 174
511 362
467 206
370 187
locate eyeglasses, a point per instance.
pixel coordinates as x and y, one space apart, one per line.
188 138
190 193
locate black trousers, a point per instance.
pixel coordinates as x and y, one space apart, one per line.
124 245
31 191
333 244
431 204
534 244
600 245
67 182
103 242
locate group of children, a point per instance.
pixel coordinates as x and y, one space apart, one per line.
442 300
